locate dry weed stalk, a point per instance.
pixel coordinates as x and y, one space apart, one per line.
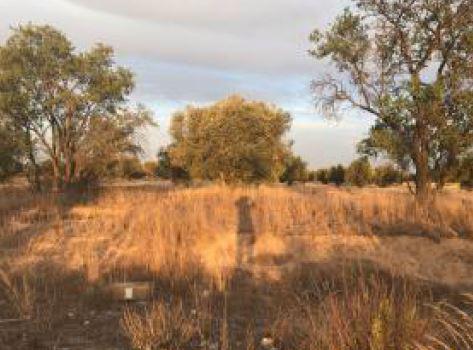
452 326
162 326
20 294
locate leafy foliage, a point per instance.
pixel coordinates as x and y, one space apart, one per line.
409 64
110 144
166 170
233 140
322 176
56 97
295 170
336 175
465 175
150 168
359 173
386 175
10 152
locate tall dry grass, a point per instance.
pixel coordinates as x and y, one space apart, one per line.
187 241
160 327
361 309
169 232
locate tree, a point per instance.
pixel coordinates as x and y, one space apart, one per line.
129 168
410 65
387 175
465 175
234 140
295 170
53 94
166 170
150 168
322 176
108 143
359 173
336 175
11 152
311 175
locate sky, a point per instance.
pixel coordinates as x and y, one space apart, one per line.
199 51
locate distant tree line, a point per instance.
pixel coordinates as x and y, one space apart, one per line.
360 173
65 118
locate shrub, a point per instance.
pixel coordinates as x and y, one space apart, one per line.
466 172
166 170
322 176
295 169
336 175
359 173
387 175
150 168
10 153
130 168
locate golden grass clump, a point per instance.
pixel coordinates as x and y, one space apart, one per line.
162 326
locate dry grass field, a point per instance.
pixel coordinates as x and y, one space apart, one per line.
236 268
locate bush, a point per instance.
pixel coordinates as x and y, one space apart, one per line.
321 175
129 168
10 154
166 170
312 176
150 168
466 172
295 170
387 175
359 173
336 175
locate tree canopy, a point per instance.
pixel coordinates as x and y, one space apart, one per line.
295 169
234 140
56 97
336 175
11 151
359 173
410 65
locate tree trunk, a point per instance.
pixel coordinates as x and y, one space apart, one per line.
68 167
68 150
421 145
55 158
56 175
422 177
34 169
